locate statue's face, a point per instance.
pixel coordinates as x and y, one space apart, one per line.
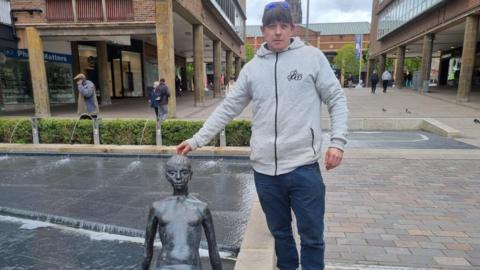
178 175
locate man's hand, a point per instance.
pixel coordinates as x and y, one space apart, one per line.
183 148
333 158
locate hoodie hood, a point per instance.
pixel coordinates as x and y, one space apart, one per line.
295 43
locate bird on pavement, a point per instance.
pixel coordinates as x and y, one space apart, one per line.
476 121
407 111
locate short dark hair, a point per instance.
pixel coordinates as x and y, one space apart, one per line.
277 12
162 80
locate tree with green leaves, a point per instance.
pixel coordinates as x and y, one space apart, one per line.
346 60
249 52
413 64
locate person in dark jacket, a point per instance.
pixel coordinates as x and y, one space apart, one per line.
163 102
374 81
154 98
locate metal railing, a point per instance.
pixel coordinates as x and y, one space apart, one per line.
89 10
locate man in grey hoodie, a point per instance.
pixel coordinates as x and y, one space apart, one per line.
286 82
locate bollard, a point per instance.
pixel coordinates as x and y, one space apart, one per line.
223 139
96 133
158 137
426 86
36 139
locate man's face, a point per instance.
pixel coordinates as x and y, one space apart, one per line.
178 176
277 35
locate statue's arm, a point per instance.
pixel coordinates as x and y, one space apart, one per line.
152 224
212 242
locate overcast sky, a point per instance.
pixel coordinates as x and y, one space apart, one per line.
321 11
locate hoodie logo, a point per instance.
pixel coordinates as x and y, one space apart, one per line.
294 75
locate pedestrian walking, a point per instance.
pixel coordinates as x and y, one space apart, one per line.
286 81
374 81
154 98
87 97
163 102
230 86
386 78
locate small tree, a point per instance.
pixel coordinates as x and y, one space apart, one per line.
346 60
413 64
249 52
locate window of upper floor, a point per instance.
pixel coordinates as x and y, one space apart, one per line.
5 12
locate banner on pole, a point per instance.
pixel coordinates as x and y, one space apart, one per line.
358 46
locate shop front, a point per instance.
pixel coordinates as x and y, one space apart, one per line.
16 85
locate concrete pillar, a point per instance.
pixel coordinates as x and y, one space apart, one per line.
37 72
75 64
238 66
381 64
229 68
165 53
199 65
399 66
426 61
370 67
468 58
217 67
103 79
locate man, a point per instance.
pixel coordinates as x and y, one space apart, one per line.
179 220
163 102
86 94
154 98
286 81
386 78
374 81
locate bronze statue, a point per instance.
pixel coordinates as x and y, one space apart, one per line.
179 220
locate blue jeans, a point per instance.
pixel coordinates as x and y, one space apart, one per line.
303 191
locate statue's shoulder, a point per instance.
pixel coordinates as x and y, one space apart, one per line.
201 206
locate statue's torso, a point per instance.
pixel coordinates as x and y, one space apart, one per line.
180 229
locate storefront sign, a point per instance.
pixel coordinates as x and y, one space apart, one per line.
48 56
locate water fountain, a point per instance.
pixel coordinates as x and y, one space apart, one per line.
35 136
15 128
223 139
158 132
96 132
74 128
143 132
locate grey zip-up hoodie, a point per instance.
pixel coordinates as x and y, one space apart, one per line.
286 90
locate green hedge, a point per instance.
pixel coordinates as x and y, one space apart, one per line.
120 132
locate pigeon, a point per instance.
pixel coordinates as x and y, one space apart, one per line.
476 121
383 110
407 111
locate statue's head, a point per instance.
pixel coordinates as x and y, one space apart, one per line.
178 171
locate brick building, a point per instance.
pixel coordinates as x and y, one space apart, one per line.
446 31
122 45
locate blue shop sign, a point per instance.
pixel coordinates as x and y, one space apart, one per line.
48 56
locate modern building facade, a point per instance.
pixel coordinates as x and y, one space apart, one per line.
121 45
446 31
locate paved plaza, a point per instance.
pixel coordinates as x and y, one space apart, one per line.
407 207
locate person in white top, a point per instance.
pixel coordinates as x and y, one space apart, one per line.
230 86
386 78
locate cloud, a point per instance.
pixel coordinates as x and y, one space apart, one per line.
321 11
